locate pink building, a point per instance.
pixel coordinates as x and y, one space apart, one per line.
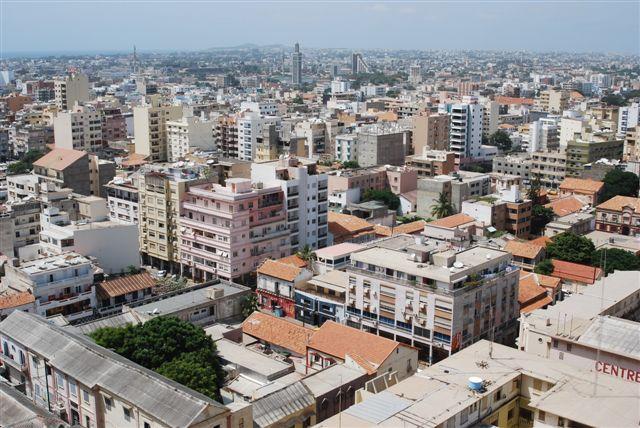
227 231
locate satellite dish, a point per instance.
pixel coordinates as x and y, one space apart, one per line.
458 265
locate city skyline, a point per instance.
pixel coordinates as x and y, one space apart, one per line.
538 27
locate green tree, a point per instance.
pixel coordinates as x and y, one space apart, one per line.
165 345
571 248
540 216
25 164
306 253
250 304
614 100
298 100
442 207
616 259
392 93
501 140
545 267
618 182
387 197
131 270
350 165
534 189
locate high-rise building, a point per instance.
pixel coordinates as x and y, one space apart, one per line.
382 144
490 118
250 128
80 128
187 134
628 118
430 131
296 65
305 192
544 135
150 128
415 75
357 64
465 130
70 90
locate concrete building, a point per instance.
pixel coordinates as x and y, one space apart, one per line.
458 187
334 257
382 144
123 200
358 65
296 65
65 168
80 128
490 118
571 127
44 357
549 167
20 223
346 147
227 231
225 132
114 124
581 152
61 284
149 121
577 223
437 301
70 90
513 165
306 195
553 101
316 136
430 131
432 163
277 282
628 118
250 128
465 129
620 214
543 135
495 385
188 134
588 191
322 298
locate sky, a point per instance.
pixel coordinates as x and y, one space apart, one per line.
116 25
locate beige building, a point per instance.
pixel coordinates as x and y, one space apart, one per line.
70 90
553 100
430 131
550 167
187 134
149 122
80 128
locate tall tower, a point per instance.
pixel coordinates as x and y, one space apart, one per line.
296 66
135 63
358 65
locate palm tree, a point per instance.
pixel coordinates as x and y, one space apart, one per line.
307 254
250 304
442 207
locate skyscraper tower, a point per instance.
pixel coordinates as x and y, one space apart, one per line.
357 64
135 62
296 66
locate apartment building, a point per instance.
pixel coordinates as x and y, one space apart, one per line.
437 301
458 187
187 134
490 117
322 298
70 90
549 167
553 101
250 128
82 383
519 166
589 191
581 152
22 221
465 129
628 118
306 195
316 136
114 124
277 283
225 131
149 121
30 137
61 284
382 144
123 200
620 214
227 231
80 128
346 147
432 162
544 135
65 168
430 131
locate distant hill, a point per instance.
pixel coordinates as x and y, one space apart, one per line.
247 46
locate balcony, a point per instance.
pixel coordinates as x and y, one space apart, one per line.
6 359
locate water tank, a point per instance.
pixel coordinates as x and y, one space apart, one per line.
475 383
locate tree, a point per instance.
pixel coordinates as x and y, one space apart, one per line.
571 248
540 217
131 270
350 165
387 197
616 259
534 189
168 345
250 304
392 93
618 182
442 207
614 100
307 254
501 140
298 100
25 164
545 267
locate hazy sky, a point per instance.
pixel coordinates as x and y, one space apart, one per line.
42 26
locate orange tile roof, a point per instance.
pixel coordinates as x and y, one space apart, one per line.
135 159
59 159
537 304
293 260
408 228
452 221
277 269
8 301
565 206
618 202
340 340
541 241
581 185
529 288
278 331
344 224
126 284
523 249
575 272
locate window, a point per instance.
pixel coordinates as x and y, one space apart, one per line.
85 396
60 381
569 346
72 388
541 416
108 403
87 421
127 413
147 425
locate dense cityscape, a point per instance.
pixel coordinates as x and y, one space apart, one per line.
269 235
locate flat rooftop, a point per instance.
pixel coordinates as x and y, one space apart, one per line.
338 250
51 263
251 360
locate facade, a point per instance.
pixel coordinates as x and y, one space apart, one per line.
582 152
225 132
432 162
628 118
306 195
187 134
80 128
543 135
322 298
70 90
150 128
296 65
382 145
437 301
65 168
465 129
458 187
123 200
61 284
513 165
227 231
549 167
430 131
21 223
620 214
114 124
589 191
346 147
251 127
276 285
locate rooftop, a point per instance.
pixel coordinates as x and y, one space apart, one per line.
51 263
575 272
126 284
581 185
277 331
8 301
524 249
565 206
613 334
59 159
617 203
613 240
338 250
452 221
277 269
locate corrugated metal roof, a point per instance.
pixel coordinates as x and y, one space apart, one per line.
379 407
93 365
613 334
275 407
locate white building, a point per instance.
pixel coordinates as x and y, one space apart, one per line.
150 128
628 118
371 90
570 129
250 128
346 147
465 130
61 284
187 134
122 200
543 134
265 108
70 90
340 86
305 191
79 129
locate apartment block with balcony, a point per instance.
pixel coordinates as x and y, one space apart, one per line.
465 129
438 301
432 162
306 195
228 231
80 128
549 167
70 90
187 134
597 146
62 284
151 131
123 200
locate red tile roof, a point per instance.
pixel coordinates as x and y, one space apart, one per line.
408 228
293 260
514 100
278 331
575 272
452 221
618 202
59 159
277 269
126 284
565 206
8 301
524 249
581 185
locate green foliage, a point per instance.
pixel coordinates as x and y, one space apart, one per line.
298 100
442 207
168 283
571 248
618 182
534 189
614 100
387 197
482 167
306 254
249 305
132 270
408 219
377 78
392 93
545 267
501 140
616 259
350 165
540 217
25 164
169 346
